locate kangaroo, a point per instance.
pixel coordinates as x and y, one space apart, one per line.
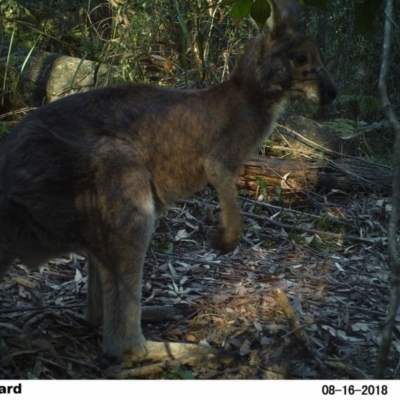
92 171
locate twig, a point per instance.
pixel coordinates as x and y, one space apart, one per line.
290 227
20 111
354 372
279 208
333 235
198 260
294 323
81 362
15 310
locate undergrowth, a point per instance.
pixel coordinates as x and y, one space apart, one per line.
189 45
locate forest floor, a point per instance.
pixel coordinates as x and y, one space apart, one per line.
337 290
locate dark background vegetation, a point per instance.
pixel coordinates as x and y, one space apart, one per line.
197 43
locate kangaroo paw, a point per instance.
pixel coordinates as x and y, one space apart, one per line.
224 241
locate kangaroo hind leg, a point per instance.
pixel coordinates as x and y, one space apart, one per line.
118 245
118 240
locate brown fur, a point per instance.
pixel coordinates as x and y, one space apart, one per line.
92 171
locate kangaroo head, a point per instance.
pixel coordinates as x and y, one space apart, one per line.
284 62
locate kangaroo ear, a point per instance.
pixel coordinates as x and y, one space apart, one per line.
283 20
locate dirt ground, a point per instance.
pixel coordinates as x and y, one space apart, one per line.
293 303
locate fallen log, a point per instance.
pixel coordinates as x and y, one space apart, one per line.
308 156
38 77
305 174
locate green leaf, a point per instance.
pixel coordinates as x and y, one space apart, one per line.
322 4
179 373
365 14
241 8
260 11
167 248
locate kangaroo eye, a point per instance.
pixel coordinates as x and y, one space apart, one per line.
300 58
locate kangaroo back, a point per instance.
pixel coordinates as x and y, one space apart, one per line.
92 171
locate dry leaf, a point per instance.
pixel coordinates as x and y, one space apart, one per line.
25 282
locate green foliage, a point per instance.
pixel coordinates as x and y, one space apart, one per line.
343 126
179 373
260 11
241 8
227 2
348 128
365 105
4 129
365 12
365 16
7 65
167 248
321 4
370 137
262 188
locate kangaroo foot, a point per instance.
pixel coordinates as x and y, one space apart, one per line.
224 240
192 354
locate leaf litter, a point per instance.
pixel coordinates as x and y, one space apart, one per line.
294 305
